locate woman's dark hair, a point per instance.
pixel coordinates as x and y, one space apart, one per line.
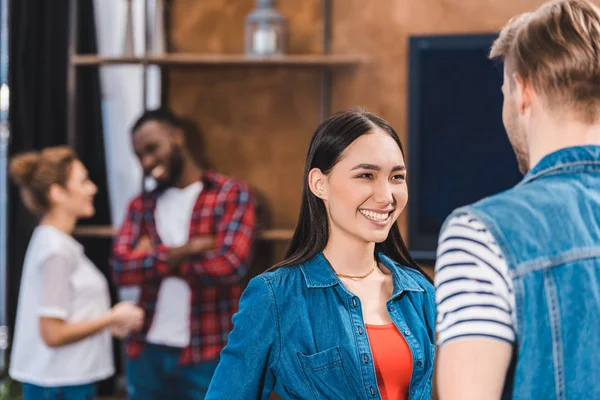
328 143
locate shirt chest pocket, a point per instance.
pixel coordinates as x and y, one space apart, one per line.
325 374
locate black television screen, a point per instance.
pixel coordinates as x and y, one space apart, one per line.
459 152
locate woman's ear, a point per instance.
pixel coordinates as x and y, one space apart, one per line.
56 194
317 181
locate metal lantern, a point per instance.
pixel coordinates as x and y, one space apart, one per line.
265 31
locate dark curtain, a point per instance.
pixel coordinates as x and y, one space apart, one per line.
38 63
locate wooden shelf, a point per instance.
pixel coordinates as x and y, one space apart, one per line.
99 231
277 234
107 231
222 60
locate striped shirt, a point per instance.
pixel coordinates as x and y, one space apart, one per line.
474 291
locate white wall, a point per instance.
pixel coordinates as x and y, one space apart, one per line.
122 104
122 101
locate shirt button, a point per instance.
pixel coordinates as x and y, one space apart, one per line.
372 391
360 330
419 363
354 302
366 358
407 333
391 308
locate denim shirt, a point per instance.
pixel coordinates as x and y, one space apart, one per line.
548 228
301 333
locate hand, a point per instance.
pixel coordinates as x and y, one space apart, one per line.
119 331
126 316
144 244
175 257
200 244
195 246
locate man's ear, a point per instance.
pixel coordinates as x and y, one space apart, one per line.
524 94
178 137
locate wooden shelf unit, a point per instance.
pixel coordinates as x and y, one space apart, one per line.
107 231
324 62
221 60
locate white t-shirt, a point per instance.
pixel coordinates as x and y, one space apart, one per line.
173 213
59 281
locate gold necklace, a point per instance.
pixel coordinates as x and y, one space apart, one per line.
359 276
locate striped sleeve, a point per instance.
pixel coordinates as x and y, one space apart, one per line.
474 292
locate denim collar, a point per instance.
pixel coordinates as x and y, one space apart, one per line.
318 273
565 160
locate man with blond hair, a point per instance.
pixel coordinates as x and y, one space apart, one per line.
518 274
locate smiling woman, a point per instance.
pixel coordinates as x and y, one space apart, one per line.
364 199
348 314
355 164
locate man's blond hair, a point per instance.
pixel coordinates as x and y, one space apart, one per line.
557 49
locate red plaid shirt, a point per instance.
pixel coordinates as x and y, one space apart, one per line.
224 209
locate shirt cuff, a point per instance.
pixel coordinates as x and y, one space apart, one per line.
52 312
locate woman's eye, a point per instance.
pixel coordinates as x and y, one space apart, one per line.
398 177
365 175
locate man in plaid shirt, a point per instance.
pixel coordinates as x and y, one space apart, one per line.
187 245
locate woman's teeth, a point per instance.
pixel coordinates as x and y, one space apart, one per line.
375 216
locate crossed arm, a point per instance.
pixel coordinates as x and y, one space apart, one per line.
222 258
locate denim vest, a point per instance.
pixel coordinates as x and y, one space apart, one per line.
300 332
548 228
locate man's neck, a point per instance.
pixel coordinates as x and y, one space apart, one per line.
190 173
553 134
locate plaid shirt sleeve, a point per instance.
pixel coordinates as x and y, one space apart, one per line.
230 260
131 267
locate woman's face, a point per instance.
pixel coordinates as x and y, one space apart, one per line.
365 192
77 198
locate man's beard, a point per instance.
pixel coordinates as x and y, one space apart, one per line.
518 141
175 169
522 160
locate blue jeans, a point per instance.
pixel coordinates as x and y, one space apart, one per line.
79 392
156 375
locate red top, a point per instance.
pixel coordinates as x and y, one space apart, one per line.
393 361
